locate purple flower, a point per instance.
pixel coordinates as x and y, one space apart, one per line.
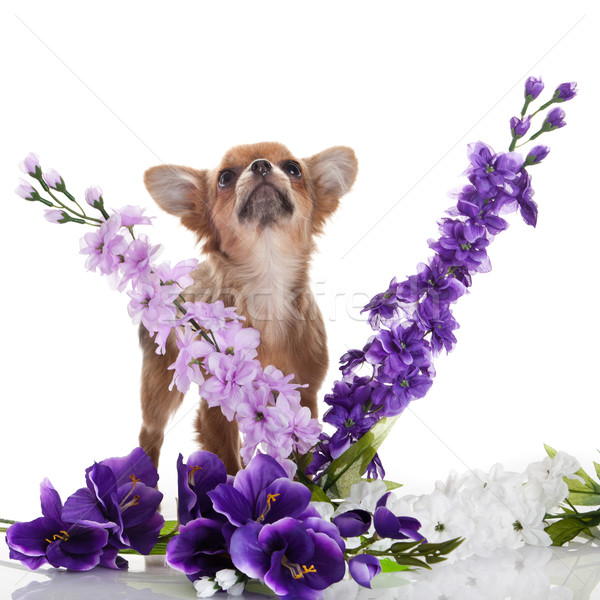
52 539
353 523
519 127
202 473
199 550
351 361
281 384
554 119
383 307
363 568
411 385
536 155
262 492
121 495
480 212
388 525
565 91
187 366
93 196
437 317
375 468
489 172
527 207
152 305
533 88
321 457
462 244
53 179
210 316
289 556
104 247
31 165
178 275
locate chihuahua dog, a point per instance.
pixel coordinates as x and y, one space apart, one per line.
257 214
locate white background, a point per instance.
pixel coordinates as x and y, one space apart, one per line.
102 92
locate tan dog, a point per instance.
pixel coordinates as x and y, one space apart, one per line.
257 214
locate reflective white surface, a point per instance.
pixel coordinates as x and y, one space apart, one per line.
527 574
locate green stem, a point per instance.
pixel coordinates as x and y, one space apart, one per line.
8 521
366 543
81 215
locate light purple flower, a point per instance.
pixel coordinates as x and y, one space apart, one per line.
130 215
280 383
537 154
52 178
56 216
231 374
519 127
554 120
210 316
363 568
104 247
178 275
234 338
31 164
187 366
26 190
303 430
151 305
93 196
137 261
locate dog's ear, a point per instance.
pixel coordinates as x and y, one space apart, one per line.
332 173
183 192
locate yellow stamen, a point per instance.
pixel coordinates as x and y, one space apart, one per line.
270 498
310 569
191 473
57 536
134 479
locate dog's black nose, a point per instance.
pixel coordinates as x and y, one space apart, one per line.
261 166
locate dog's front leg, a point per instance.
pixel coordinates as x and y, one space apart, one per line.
158 403
218 435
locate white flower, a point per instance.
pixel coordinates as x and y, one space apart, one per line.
325 509
228 580
205 587
363 495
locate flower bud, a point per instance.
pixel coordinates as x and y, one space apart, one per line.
536 155
52 178
565 91
26 190
554 119
31 164
519 127
533 88
56 216
93 196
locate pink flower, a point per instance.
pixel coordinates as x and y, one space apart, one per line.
104 247
52 178
280 383
234 338
130 215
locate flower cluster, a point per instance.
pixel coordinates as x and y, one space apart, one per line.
412 319
216 352
116 510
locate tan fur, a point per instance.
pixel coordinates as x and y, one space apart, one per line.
259 264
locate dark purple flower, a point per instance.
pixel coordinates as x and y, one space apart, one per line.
199 550
202 473
536 155
533 88
519 127
391 404
321 457
396 350
384 306
489 172
565 91
121 495
527 207
50 539
351 360
462 244
437 318
411 385
351 423
388 525
353 523
292 559
363 568
555 119
261 492
481 212
375 468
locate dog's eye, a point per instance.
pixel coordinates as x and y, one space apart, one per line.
226 177
292 168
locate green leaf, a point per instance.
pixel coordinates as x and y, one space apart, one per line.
318 495
348 468
584 498
169 528
391 566
390 485
411 561
565 530
597 467
575 485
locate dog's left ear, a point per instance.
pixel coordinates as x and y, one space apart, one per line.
332 173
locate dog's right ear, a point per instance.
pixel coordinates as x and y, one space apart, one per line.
183 192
